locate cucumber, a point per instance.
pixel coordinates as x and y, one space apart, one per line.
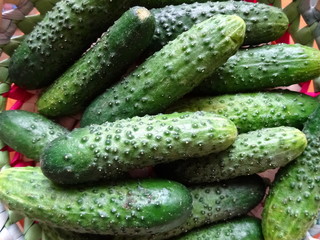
245 228
104 151
264 23
252 152
127 207
216 202
60 38
107 59
294 196
253 111
263 67
171 72
163 3
27 132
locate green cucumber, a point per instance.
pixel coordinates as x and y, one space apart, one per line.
27 132
60 38
253 111
252 152
216 202
245 228
294 197
264 67
171 72
122 208
163 3
100 66
104 151
264 23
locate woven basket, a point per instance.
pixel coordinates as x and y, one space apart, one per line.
19 18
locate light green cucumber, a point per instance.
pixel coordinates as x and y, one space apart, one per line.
245 228
216 202
27 132
252 152
104 151
133 207
171 72
264 23
103 64
294 197
263 67
253 111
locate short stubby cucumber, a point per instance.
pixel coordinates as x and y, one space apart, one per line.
216 202
253 111
27 132
171 72
252 152
104 63
245 228
264 67
102 151
133 207
60 38
264 23
294 197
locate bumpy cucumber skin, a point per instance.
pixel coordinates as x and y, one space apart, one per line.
104 151
60 38
216 202
294 197
252 152
128 207
253 111
264 23
246 228
101 65
27 132
263 67
51 233
171 72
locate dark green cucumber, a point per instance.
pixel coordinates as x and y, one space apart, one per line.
253 111
101 65
252 152
216 202
128 207
104 151
264 23
27 132
60 38
264 67
170 73
294 197
245 228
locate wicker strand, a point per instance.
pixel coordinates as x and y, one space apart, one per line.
10 232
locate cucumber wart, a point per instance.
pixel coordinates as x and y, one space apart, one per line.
104 151
171 72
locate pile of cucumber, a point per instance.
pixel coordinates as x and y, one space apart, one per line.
186 88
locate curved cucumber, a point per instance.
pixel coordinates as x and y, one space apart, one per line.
252 152
264 23
253 111
294 196
170 73
216 202
28 133
101 65
103 151
264 67
246 228
121 208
